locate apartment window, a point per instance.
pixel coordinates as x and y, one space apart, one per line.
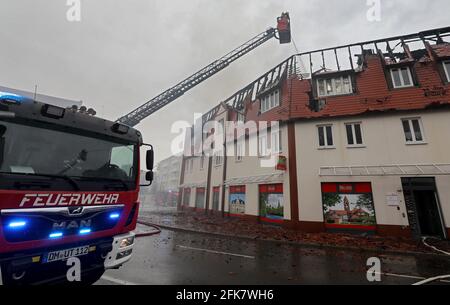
262 145
202 163
276 142
401 77
218 158
241 117
447 69
325 136
270 101
192 165
413 130
240 150
187 165
334 86
354 134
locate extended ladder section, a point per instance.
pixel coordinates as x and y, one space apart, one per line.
168 96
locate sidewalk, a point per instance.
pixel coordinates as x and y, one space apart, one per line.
235 227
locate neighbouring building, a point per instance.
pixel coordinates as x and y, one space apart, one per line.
47 99
362 143
167 181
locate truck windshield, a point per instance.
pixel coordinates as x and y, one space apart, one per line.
31 151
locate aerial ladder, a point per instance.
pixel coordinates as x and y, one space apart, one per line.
282 33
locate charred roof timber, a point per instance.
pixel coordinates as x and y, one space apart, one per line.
330 60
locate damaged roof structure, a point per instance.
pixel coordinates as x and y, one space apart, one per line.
370 82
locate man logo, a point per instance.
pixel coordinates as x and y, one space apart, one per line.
72 224
76 211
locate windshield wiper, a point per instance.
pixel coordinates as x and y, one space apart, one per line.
71 181
116 181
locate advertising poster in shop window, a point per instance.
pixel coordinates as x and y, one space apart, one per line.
271 202
348 205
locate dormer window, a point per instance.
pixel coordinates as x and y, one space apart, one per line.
402 77
340 85
270 101
446 65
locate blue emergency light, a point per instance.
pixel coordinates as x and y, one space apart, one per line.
17 224
56 235
114 215
11 97
85 231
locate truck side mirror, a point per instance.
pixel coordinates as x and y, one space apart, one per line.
149 176
150 159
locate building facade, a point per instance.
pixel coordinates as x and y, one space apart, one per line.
361 143
167 181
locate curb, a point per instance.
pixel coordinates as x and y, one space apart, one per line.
305 244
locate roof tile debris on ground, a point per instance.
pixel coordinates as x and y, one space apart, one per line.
249 229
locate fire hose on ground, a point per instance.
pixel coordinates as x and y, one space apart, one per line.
146 234
436 278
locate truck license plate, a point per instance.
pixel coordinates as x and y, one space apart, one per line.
65 254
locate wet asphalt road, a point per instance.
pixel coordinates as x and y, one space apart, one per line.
201 259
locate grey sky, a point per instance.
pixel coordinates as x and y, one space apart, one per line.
123 53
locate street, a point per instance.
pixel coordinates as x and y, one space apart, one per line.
180 258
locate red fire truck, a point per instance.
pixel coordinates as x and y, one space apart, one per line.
69 181
69 185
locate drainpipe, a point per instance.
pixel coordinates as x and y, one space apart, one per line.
208 185
181 190
224 175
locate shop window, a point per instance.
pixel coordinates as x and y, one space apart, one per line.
271 202
200 198
334 86
270 101
348 206
237 200
401 77
413 130
325 136
354 134
186 196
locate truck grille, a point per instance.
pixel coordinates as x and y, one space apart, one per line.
53 223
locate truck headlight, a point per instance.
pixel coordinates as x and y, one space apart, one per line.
126 242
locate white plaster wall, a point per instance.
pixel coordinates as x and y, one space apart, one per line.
385 144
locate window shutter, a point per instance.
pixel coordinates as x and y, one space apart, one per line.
314 88
415 79
441 71
353 81
386 70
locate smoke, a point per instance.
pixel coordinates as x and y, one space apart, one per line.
123 53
